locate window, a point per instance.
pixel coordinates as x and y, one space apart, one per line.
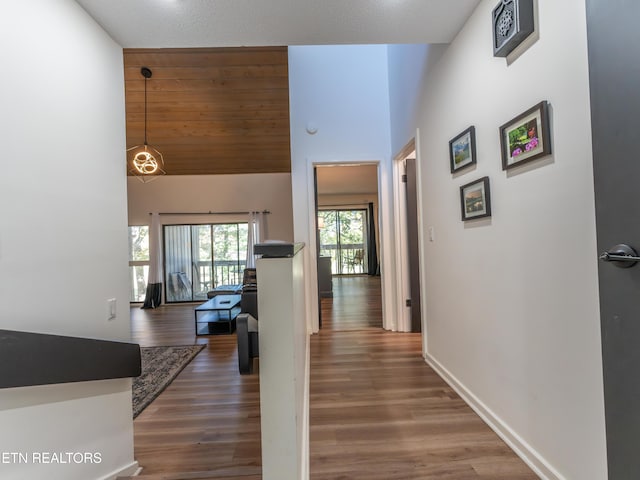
343 238
138 262
198 258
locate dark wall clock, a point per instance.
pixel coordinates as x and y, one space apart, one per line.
512 23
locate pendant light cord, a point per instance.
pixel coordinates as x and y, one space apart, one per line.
146 73
145 110
147 161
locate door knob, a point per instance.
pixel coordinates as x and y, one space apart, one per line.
622 255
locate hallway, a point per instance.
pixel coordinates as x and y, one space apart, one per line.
356 304
378 412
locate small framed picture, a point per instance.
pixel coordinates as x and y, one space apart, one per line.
462 149
475 199
526 137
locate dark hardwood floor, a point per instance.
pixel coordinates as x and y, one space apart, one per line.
206 424
377 411
356 304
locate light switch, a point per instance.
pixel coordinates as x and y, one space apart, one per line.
432 234
111 309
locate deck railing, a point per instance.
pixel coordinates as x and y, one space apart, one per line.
346 258
224 272
189 286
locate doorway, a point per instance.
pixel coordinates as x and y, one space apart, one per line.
408 255
347 235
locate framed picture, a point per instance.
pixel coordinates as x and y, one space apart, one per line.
526 137
475 199
462 149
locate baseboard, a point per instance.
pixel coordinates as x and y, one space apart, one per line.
130 470
528 454
305 419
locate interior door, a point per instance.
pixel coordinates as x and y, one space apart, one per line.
412 240
315 199
614 49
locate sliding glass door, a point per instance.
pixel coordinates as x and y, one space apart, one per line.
343 238
198 258
202 263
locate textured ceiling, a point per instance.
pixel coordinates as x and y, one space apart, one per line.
215 23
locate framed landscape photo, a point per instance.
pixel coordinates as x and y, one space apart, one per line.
526 137
475 199
462 149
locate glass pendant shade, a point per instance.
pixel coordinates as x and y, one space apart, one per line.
145 162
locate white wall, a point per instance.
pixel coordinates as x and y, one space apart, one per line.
63 228
284 369
343 91
408 68
512 302
215 193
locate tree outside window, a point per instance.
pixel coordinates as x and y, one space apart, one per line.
138 262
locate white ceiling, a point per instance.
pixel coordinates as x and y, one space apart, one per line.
217 23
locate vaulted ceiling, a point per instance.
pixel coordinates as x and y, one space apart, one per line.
211 111
226 110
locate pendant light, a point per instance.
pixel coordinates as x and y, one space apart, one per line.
144 161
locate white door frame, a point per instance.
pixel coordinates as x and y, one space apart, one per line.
386 241
402 247
402 251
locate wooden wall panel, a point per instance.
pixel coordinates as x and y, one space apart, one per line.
211 110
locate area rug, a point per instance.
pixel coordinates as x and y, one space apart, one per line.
160 365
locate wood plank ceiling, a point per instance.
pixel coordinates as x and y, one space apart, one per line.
211 110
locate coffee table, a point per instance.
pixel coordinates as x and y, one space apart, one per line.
218 315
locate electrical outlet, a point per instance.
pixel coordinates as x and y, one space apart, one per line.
111 309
